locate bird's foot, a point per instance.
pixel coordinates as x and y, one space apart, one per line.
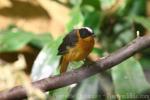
87 62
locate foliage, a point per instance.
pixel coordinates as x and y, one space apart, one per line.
115 23
127 81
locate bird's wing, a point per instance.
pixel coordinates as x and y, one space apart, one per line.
70 40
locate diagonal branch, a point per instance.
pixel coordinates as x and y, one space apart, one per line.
83 72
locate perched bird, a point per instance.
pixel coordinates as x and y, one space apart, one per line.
75 46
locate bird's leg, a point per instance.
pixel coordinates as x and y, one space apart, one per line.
85 62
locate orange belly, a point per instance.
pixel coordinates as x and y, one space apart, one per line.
81 50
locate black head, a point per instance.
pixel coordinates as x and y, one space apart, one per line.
85 32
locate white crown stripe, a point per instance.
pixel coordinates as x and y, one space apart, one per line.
89 29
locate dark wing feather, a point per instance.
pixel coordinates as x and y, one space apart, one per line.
69 41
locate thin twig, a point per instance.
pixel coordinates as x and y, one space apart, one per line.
83 72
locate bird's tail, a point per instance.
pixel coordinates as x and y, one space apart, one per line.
63 64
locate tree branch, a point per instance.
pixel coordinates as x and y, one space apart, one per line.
83 72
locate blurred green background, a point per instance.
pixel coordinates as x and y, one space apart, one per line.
35 29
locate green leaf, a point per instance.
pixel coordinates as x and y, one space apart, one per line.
124 38
98 51
88 89
75 2
47 61
141 20
128 78
92 20
60 94
133 7
41 40
12 40
107 3
138 7
93 3
145 62
76 19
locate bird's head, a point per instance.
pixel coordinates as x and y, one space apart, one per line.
86 32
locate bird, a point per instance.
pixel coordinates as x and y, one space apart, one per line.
76 46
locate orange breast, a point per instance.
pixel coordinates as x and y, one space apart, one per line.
81 50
